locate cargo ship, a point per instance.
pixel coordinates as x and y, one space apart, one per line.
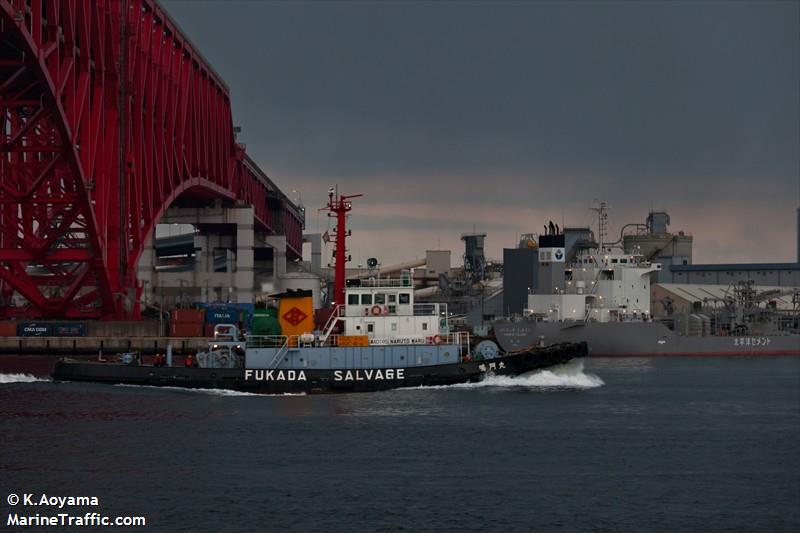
596 293
374 337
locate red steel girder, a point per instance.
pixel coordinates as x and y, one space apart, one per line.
108 114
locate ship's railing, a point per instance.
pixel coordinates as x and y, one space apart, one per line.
332 320
418 309
266 341
386 282
426 309
286 342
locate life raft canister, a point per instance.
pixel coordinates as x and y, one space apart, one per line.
376 310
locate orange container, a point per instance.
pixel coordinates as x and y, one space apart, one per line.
187 315
186 329
8 329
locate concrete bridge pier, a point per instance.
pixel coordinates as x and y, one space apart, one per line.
225 259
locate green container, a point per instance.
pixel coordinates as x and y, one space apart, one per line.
265 322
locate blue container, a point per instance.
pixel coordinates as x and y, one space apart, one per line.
228 313
33 329
68 330
51 329
222 314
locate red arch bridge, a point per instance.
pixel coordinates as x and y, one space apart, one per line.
108 116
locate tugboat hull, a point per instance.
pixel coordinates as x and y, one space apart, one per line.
313 381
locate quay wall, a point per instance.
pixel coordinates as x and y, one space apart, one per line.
97 345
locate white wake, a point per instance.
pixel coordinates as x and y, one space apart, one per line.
567 376
20 378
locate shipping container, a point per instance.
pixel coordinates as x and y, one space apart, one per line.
186 329
216 314
8 329
51 329
231 313
68 330
186 315
124 328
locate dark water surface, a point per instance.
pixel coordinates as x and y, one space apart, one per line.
672 444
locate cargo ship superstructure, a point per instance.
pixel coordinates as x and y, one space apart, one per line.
598 293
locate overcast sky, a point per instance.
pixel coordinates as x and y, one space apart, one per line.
455 116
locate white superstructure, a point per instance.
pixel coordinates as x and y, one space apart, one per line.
598 286
384 310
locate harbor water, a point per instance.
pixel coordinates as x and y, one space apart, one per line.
638 444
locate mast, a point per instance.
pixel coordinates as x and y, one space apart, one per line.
601 208
339 206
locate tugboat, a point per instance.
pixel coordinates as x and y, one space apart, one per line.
376 338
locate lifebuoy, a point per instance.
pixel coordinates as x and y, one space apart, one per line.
376 310
437 339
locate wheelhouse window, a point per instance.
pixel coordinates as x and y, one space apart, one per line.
352 299
380 298
366 299
405 298
392 297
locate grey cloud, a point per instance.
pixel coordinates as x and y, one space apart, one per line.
530 103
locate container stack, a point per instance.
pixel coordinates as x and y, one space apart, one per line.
220 314
186 322
8 329
239 315
50 329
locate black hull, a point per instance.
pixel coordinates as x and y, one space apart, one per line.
316 381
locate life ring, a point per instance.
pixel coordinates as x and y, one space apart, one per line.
376 310
437 339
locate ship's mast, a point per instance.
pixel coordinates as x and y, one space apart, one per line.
602 221
339 206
